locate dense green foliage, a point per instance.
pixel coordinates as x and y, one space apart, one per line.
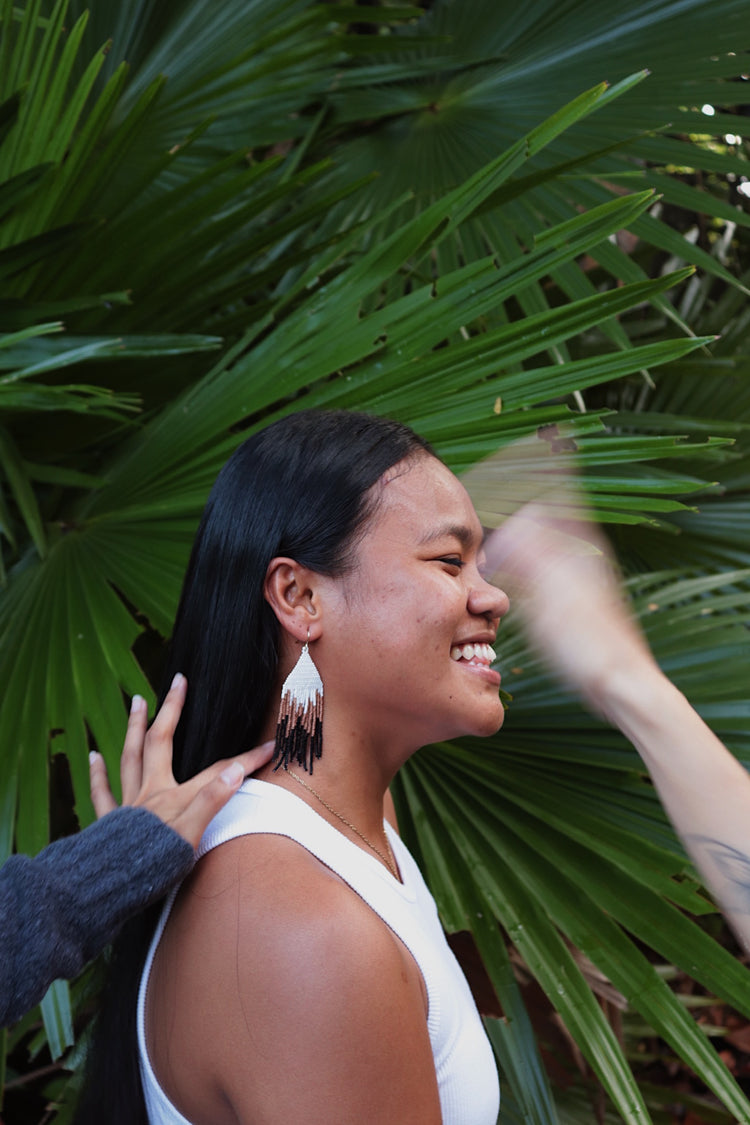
275 204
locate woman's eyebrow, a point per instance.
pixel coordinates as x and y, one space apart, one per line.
460 531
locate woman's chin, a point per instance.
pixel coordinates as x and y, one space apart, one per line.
495 723
482 725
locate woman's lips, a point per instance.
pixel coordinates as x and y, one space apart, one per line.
482 670
477 658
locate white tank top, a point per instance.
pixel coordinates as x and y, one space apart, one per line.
464 1063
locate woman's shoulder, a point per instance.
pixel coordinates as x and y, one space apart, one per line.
269 897
262 926
269 955
259 891
287 913
264 885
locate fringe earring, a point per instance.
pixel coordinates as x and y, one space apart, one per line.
299 730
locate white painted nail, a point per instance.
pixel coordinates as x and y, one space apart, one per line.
233 775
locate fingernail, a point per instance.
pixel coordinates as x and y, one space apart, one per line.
233 775
178 680
93 757
137 703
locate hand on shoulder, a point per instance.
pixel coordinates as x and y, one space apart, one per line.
146 771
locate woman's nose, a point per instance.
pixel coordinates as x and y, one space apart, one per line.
486 600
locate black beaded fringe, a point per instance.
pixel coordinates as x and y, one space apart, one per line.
297 745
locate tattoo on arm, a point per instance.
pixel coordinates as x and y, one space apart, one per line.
733 866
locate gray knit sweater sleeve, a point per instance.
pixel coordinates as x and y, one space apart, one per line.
60 909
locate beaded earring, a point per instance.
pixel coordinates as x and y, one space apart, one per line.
299 729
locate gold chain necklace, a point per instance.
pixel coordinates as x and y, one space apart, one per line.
390 863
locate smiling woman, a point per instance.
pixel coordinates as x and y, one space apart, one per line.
301 973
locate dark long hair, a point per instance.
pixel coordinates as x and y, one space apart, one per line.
302 488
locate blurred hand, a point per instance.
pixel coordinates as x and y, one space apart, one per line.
146 771
564 585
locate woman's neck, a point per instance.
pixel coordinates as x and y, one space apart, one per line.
351 777
351 800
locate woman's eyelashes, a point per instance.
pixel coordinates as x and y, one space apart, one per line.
451 560
455 561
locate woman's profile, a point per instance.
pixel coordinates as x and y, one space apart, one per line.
301 973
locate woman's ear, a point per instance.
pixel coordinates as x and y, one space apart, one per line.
291 591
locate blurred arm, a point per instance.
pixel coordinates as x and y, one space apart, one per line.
703 788
573 610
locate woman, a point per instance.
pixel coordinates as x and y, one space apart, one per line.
301 973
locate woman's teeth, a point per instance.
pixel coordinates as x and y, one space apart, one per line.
481 654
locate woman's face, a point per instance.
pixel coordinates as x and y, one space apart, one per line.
407 642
